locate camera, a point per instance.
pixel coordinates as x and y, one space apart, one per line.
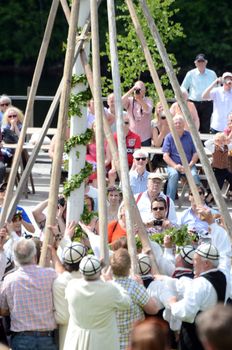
61 201
157 222
137 91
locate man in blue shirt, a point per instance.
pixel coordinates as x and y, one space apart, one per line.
171 156
138 174
195 82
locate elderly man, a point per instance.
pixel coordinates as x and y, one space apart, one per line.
154 190
92 306
26 295
171 156
5 102
205 290
222 101
195 82
138 174
139 109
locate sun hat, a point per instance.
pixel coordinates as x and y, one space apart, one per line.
155 176
226 75
208 251
187 253
74 252
90 265
144 264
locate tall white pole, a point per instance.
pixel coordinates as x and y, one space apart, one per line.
78 126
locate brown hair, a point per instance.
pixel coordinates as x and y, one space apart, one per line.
120 262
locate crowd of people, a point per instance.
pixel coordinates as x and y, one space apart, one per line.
79 303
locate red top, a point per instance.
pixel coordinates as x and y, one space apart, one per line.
115 231
133 141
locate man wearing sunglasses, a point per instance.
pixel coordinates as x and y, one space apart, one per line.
222 101
138 174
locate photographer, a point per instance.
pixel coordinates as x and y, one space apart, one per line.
160 222
139 110
222 101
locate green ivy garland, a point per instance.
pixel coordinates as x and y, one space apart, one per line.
82 139
79 100
77 179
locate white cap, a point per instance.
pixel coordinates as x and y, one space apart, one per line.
90 265
140 153
226 75
74 252
155 176
144 263
187 253
208 251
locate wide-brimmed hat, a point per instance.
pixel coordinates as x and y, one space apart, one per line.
155 176
90 265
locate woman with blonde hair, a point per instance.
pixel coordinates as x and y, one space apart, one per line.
12 120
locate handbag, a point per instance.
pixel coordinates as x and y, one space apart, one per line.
9 136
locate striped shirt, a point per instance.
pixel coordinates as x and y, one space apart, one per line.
27 293
125 319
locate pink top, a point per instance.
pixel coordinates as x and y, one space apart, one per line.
27 293
140 121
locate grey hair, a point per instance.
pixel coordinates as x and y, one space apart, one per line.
215 263
5 98
24 251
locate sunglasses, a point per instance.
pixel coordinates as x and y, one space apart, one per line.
126 123
158 208
4 104
12 116
141 158
200 193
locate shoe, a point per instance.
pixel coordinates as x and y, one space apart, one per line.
209 199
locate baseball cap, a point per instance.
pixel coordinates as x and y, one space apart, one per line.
74 252
155 176
90 265
226 75
139 153
208 251
144 264
187 253
200 57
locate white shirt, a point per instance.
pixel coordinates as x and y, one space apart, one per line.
222 106
144 206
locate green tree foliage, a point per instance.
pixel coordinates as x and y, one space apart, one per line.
22 27
207 25
131 58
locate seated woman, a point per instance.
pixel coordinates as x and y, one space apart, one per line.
117 228
175 109
12 120
114 197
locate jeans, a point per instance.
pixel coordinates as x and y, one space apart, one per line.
31 342
173 178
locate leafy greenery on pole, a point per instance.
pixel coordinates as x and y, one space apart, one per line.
132 62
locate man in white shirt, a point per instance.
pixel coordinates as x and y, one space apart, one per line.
195 82
222 101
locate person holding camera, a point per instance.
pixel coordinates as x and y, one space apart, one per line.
222 101
139 110
160 222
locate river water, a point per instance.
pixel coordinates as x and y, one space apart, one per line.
14 84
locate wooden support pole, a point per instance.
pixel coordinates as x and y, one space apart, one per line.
29 109
121 138
61 129
162 98
46 125
101 176
194 133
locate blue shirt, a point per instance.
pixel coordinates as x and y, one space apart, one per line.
187 143
196 83
138 182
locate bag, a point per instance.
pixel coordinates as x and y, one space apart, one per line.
9 136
